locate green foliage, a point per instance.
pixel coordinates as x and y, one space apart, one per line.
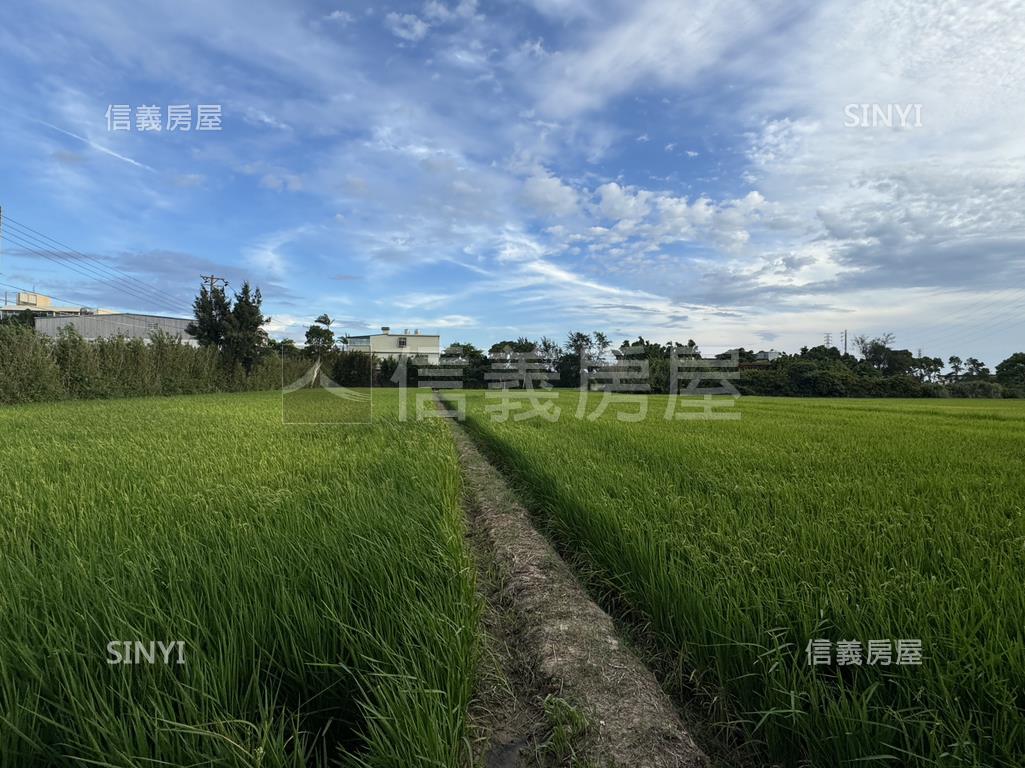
731 544
352 369
245 337
28 372
1011 372
881 372
25 318
212 312
404 371
320 339
976 389
567 729
326 606
35 368
502 349
234 354
472 361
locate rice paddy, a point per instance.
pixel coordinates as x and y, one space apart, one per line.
732 546
243 580
310 581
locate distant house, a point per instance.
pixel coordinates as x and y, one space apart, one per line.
111 324
405 344
42 306
770 355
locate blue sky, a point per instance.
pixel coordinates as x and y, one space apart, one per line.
486 170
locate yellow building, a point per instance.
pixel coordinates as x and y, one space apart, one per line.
43 306
406 344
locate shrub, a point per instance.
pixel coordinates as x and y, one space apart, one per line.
976 389
28 372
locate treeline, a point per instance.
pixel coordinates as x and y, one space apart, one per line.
235 355
878 371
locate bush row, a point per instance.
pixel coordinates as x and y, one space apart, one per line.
36 368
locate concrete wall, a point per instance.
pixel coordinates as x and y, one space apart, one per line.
391 345
105 326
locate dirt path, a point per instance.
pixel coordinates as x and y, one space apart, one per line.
565 689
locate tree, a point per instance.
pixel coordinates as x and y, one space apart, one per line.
579 344
549 351
926 368
212 312
284 347
1011 372
601 344
820 353
353 369
976 369
320 339
897 362
472 361
688 351
743 355
245 337
387 367
956 366
874 351
504 350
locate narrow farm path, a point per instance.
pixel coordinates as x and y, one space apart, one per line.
575 694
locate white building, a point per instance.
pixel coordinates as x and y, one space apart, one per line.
388 344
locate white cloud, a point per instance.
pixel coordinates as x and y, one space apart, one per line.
663 41
439 11
340 17
408 26
549 196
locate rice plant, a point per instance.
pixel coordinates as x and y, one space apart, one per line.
314 576
733 545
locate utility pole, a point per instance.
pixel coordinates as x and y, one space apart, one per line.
213 280
829 340
845 341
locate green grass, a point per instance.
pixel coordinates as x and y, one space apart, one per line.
316 575
731 544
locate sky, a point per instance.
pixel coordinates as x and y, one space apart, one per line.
752 174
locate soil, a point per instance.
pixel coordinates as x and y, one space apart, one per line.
545 638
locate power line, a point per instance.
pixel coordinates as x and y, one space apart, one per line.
1013 320
1000 313
69 302
998 307
43 238
92 273
85 267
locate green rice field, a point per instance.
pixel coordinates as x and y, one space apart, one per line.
315 577
307 553
730 545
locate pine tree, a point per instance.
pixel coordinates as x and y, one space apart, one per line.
212 312
245 337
